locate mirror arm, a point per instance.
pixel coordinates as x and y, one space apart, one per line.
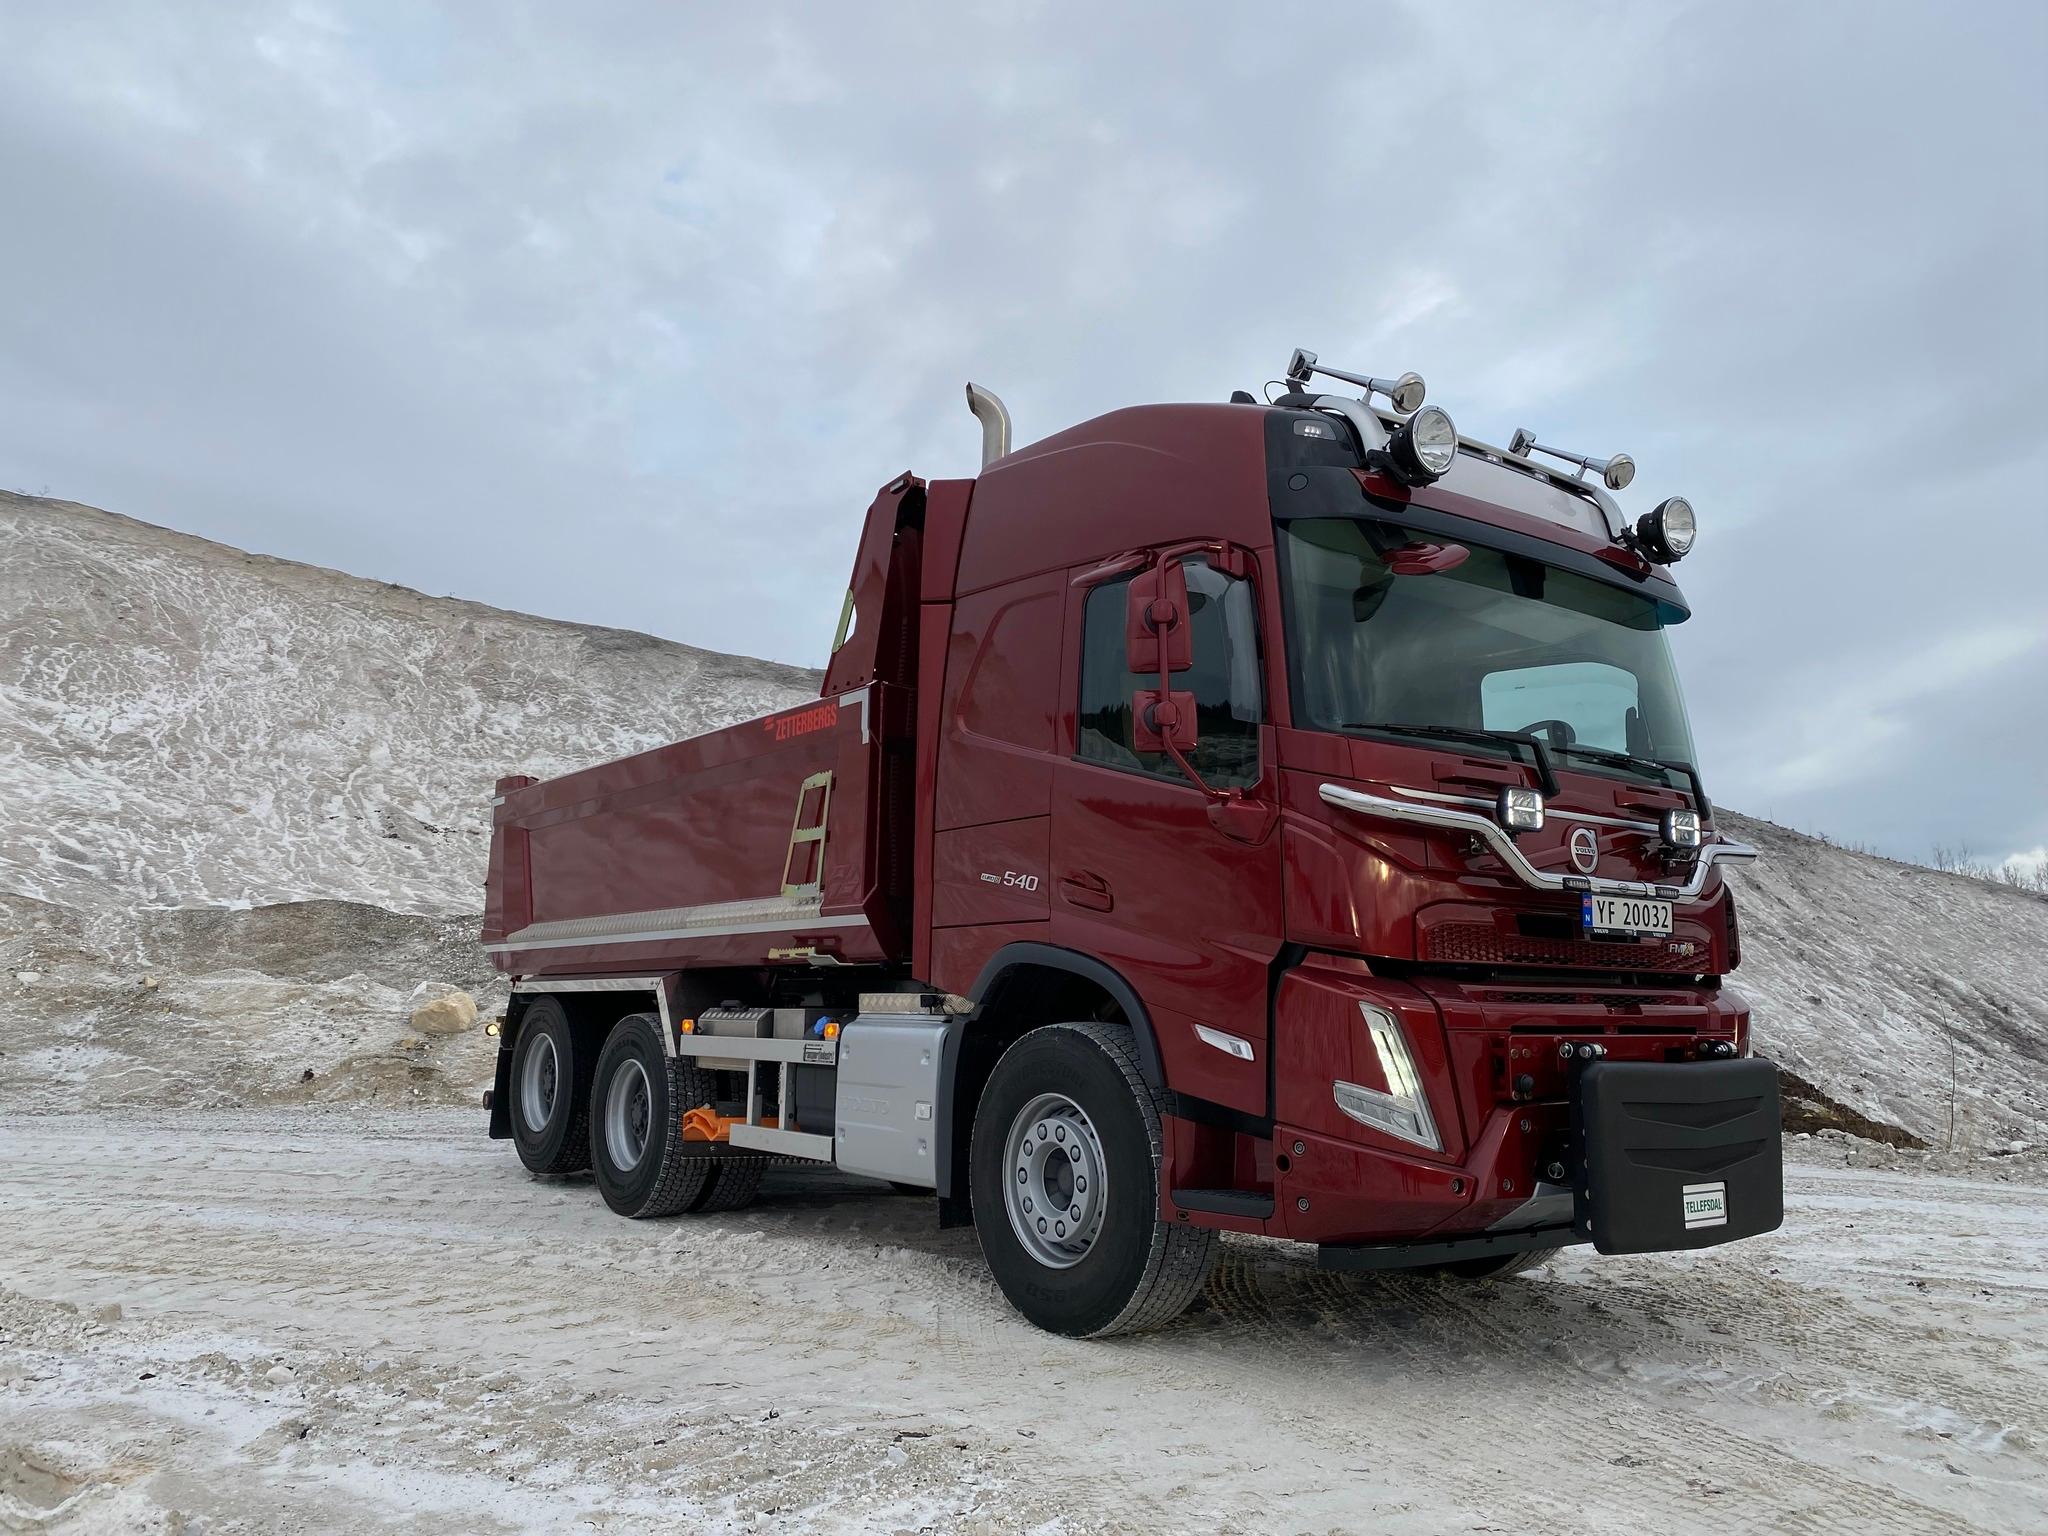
1180 758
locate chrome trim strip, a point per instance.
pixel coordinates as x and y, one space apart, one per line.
658 985
1227 1043
718 919
1488 831
1548 810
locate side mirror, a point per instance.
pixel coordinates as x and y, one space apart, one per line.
1163 724
1156 635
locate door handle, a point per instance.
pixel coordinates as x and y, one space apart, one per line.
1087 889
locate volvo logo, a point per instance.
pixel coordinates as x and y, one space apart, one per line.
1585 850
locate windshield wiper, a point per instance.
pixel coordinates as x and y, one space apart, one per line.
1630 760
1471 733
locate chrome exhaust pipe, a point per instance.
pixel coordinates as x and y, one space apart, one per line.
995 423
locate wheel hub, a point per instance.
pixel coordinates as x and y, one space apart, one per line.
1055 1180
539 1081
628 1112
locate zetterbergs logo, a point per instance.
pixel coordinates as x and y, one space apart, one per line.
818 717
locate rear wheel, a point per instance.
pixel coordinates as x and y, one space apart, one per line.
738 1181
1065 1171
550 1091
638 1095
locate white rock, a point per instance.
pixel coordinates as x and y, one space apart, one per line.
439 1009
278 1376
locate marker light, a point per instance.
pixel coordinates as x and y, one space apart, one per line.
1424 446
1521 810
689 1026
1666 530
1682 829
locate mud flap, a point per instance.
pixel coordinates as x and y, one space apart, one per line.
499 1100
1674 1155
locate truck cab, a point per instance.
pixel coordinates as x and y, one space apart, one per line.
1267 816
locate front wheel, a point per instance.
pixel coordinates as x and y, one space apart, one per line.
1064 1167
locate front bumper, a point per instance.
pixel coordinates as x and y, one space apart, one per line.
1660 1157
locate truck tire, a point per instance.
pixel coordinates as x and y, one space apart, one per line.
1068 1118
638 1094
738 1181
1501 1267
550 1093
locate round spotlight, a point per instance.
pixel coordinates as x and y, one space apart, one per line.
1666 531
1424 446
1406 395
1618 472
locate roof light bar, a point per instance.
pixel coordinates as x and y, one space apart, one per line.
1405 394
1615 473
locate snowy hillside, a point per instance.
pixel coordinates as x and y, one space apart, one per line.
1863 973
183 725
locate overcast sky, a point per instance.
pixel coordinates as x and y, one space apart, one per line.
622 312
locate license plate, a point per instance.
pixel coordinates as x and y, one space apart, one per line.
1706 1205
1623 914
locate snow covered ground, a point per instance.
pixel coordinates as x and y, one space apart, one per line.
352 1320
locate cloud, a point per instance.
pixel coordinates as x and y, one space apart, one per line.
622 312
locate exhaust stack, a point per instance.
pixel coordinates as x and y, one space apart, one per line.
995 423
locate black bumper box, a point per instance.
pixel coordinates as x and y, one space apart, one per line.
1676 1155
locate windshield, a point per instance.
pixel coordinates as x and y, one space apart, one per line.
1499 643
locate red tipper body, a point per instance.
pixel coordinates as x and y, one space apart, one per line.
956 812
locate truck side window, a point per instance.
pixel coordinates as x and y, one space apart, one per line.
1224 634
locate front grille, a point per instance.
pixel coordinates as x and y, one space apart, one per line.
1484 944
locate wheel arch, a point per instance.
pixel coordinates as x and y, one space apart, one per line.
1021 987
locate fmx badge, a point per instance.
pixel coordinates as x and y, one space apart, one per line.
1706 1205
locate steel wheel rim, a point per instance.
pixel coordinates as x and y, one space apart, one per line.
540 1082
628 1113
1055 1181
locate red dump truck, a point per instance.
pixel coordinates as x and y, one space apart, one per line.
1260 817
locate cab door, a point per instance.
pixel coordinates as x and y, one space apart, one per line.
1152 874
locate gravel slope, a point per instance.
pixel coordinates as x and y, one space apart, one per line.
359 1321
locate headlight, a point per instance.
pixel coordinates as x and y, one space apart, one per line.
1403 1108
1424 446
1666 530
1521 810
1682 829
